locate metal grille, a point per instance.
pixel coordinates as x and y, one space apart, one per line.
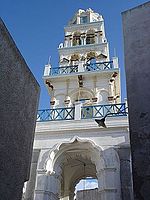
64 70
99 111
99 66
56 114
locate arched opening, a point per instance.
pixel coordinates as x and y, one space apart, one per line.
76 161
76 39
91 55
90 37
86 188
71 162
83 95
74 60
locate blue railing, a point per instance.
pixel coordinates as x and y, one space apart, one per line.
99 66
64 70
87 112
55 114
86 67
99 111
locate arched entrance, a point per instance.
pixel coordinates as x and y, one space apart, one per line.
71 161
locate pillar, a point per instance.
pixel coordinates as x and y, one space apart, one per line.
47 70
47 187
82 40
78 106
107 184
78 19
111 89
115 62
81 66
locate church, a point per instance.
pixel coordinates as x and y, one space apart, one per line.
69 145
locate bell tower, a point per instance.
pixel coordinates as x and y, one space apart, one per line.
86 76
83 87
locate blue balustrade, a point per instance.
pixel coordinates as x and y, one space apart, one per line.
64 70
97 66
87 112
99 111
56 114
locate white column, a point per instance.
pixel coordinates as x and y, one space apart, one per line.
66 42
83 39
84 42
111 89
81 66
53 186
107 184
78 106
78 19
115 62
47 70
40 188
47 187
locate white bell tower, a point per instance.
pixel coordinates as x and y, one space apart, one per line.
71 146
86 75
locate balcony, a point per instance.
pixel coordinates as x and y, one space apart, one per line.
81 68
86 112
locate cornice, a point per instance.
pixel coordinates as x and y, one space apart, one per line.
115 125
83 26
82 48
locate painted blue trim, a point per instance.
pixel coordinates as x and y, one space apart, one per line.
99 66
55 114
93 67
64 70
99 111
87 112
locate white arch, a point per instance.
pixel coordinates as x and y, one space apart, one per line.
104 165
88 93
55 152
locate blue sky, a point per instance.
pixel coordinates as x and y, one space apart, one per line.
37 28
86 184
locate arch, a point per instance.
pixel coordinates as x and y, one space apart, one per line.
60 99
90 36
81 94
59 149
75 57
91 55
76 179
66 161
76 38
103 95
